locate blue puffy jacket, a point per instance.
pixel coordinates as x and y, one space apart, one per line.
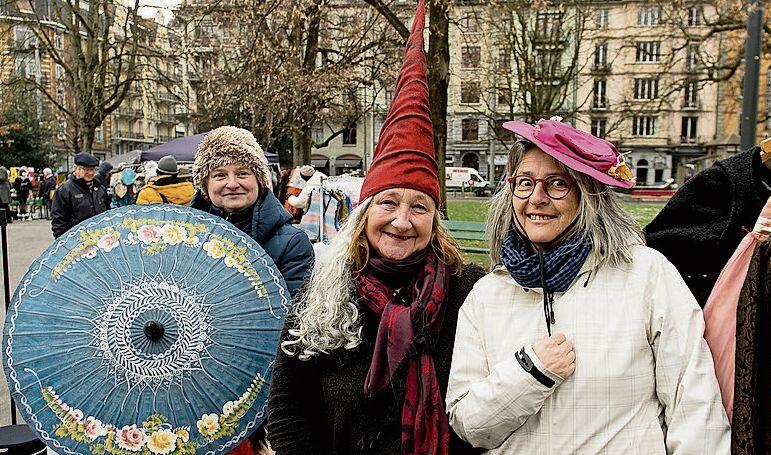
269 225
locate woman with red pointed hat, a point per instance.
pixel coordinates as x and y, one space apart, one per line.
581 339
365 357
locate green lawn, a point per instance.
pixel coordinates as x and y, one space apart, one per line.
476 210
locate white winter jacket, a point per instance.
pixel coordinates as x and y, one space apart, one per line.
644 381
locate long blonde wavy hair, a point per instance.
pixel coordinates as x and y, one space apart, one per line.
601 219
326 316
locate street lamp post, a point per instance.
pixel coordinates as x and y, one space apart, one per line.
751 73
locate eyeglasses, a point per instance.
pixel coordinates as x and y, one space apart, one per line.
523 186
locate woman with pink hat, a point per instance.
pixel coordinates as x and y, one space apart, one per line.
581 339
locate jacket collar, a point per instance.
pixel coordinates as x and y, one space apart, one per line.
268 215
586 273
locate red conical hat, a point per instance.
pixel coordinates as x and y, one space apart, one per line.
404 156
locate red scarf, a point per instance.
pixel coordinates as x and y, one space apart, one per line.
425 428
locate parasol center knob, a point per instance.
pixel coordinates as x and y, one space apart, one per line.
154 330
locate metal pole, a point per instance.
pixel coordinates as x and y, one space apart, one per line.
751 73
6 289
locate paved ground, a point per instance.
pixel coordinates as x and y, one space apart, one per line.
26 240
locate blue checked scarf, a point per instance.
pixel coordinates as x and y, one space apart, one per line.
561 265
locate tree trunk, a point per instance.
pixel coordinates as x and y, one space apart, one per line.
438 82
301 147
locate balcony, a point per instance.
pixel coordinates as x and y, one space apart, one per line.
130 112
167 118
129 135
601 68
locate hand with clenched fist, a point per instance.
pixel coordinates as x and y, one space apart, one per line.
556 354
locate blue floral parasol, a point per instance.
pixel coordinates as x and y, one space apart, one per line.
147 329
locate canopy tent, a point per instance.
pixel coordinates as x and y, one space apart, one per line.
183 150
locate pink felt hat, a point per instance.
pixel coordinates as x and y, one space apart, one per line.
577 150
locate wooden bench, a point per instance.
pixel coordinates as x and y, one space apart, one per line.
468 230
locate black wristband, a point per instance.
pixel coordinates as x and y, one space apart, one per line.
527 364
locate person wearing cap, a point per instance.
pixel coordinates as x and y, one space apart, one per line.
79 198
167 187
365 354
581 339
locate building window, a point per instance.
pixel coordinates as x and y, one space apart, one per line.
691 94
648 51
692 56
648 16
504 96
60 100
470 129
599 126
26 66
98 134
59 70
600 55
471 56
469 23
59 41
547 63
349 135
646 89
62 133
24 38
547 25
469 92
600 98
601 17
694 16
644 125
504 59
318 134
688 132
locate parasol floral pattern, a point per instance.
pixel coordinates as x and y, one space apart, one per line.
155 435
145 330
155 236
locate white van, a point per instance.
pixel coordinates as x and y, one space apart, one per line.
465 179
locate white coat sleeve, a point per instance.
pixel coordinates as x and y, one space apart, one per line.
487 403
685 376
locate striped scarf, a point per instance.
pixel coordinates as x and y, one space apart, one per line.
561 265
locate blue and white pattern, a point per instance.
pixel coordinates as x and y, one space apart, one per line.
561 265
87 377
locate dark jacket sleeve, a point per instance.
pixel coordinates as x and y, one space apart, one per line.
295 409
694 227
296 262
60 212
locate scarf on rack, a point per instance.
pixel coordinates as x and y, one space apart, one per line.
410 318
561 265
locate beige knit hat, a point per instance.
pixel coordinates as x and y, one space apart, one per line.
228 145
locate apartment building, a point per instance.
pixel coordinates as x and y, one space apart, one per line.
639 82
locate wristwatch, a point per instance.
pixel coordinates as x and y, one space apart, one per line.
527 364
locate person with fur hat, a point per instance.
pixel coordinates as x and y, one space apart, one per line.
167 187
365 354
233 181
79 198
581 338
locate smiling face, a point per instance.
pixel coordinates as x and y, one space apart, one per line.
400 222
232 188
542 217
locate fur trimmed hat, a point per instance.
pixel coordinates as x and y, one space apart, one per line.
228 145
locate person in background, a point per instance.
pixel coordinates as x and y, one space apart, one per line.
232 179
23 186
5 193
79 198
103 178
47 188
122 184
581 339
167 187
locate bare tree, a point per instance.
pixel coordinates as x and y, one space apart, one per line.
98 49
290 65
